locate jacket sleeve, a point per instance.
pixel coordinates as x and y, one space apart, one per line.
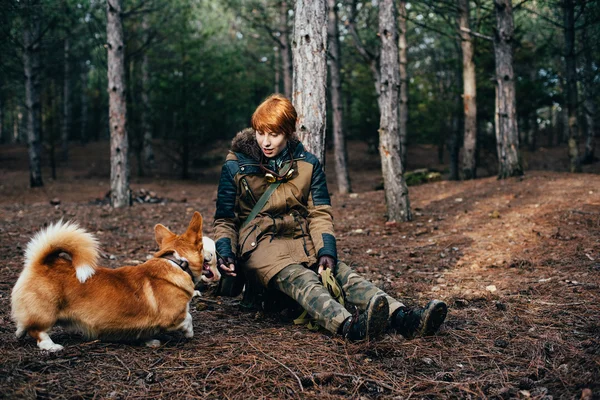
226 221
320 217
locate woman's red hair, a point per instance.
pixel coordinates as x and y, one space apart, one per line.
276 114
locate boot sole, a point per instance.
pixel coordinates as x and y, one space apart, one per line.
378 314
433 317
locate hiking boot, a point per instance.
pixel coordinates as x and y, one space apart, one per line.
371 323
415 322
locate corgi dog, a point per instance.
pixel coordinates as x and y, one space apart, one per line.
61 284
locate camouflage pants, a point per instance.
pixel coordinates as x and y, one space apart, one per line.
303 285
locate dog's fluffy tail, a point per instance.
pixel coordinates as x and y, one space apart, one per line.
65 240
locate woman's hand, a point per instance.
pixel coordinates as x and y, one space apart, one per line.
326 262
227 265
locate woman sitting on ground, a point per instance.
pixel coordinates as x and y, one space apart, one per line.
288 240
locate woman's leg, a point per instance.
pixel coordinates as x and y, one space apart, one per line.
303 285
358 290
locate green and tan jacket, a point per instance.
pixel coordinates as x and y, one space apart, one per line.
294 227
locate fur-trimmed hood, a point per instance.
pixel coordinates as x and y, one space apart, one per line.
245 142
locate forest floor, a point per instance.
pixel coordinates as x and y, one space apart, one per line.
517 261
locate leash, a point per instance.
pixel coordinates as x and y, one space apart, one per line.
329 281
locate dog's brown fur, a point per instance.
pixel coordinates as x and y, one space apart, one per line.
61 284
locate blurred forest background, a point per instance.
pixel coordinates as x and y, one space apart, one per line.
196 69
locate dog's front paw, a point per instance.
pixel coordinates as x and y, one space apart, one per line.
153 344
197 294
52 347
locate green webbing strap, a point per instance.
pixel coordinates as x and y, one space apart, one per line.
261 203
263 199
329 281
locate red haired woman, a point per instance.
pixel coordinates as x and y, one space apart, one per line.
284 238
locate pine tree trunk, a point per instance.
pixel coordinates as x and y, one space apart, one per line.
469 93
148 152
339 141
310 74
507 130
67 106
117 114
277 68
84 104
2 139
31 62
286 51
403 49
589 106
396 191
571 73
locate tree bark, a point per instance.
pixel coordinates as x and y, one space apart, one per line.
589 106
469 93
286 51
2 139
277 68
31 62
507 130
571 73
403 49
310 74
339 141
148 152
84 104
396 191
117 114
67 105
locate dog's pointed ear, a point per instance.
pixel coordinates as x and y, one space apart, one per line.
161 232
194 230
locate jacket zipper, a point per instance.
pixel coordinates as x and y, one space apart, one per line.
248 191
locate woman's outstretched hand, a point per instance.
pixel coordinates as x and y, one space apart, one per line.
326 262
227 265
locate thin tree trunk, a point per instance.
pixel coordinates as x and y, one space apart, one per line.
469 93
31 62
507 130
310 74
286 51
117 115
1 116
67 105
403 50
396 191
571 73
277 69
589 106
84 104
339 141
148 152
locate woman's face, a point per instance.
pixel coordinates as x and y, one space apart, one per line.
271 143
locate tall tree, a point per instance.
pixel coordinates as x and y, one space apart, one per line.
31 60
286 51
469 92
403 50
117 111
339 141
571 76
83 81
507 131
67 103
148 152
310 73
589 105
396 191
